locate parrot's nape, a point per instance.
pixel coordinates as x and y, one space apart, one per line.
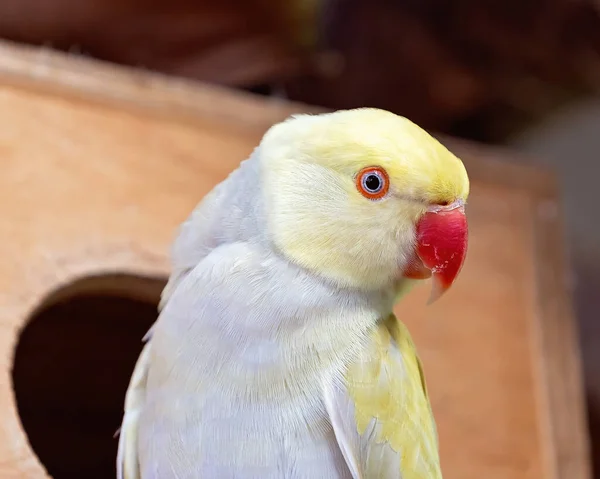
276 353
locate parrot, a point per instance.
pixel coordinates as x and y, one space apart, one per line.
276 352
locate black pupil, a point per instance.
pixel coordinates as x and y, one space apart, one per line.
372 182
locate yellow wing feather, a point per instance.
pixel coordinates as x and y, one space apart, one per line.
391 405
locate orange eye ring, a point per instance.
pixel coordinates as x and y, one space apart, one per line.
373 182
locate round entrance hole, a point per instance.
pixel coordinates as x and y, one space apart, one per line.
72 367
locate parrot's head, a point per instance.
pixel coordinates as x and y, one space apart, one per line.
365 198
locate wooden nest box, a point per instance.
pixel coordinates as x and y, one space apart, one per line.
99 167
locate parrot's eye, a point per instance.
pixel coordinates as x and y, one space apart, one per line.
373 182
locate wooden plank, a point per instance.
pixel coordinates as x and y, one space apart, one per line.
140 91
102 163
560 362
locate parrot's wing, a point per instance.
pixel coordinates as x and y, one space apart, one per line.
192 244
127 460
381 416
216 220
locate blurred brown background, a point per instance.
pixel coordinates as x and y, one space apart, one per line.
525 74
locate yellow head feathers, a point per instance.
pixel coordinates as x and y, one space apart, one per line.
319 215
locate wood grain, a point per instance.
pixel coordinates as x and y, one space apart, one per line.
101 164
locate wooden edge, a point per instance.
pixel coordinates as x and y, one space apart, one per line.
46 70
132 286
559 362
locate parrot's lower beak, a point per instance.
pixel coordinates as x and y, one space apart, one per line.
442 237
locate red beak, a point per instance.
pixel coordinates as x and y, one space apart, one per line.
442 237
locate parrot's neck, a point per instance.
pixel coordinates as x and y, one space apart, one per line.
278 330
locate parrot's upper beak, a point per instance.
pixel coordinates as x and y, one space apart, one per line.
442 236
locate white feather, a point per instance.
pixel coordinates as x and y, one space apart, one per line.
127 459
